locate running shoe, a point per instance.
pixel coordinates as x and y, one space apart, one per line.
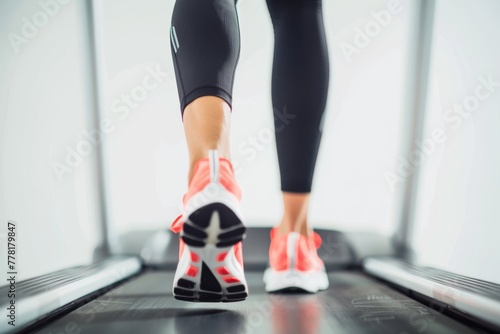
295 264
211 229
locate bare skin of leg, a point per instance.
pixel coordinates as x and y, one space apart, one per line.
295 214
206 126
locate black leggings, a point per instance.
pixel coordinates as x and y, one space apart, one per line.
205 42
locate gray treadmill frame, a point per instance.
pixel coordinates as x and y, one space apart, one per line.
96 92
420 49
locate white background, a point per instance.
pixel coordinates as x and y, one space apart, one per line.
45 105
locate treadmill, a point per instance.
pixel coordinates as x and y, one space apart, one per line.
373 289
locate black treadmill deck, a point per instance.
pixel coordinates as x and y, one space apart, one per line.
354 303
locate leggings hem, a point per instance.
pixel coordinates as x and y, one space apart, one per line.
296 190
206 91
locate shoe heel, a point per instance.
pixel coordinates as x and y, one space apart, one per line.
215 224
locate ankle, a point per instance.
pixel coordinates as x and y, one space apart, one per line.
300 227
295 207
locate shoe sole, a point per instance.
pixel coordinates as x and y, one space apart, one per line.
208 270
293 280
231 229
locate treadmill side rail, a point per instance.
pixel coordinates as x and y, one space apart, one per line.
480 299
38 297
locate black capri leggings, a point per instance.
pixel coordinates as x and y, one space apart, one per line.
205 42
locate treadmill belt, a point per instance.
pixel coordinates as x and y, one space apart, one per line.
354 303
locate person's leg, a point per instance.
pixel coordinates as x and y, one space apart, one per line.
206 126
205 46
299 92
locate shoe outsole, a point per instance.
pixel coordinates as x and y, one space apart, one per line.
232 228
205 287
291 291
210 290
289 281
